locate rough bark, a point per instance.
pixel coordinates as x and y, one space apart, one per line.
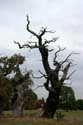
18 107
51 104
18 101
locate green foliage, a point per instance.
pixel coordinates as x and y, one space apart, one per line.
79 104
9 64
67 98
5 93
33 98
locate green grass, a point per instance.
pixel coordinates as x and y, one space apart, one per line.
29 122
71 118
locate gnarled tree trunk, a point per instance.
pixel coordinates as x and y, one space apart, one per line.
18 101
51 104
18 106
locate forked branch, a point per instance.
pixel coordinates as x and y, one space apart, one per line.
65 72
28 29
69 76
26 45
56 53
50 41
67 58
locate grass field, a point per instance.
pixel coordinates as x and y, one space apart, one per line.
70 118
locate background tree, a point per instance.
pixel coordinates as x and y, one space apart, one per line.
5 93
20 83
21 94
79 104
54 79
67 98
10 64
33 99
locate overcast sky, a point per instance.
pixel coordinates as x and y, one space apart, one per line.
64 16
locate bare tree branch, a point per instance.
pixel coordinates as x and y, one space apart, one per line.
65 72
50 41
26 45
29 30
67 58
19 45
59 50
71 74
37 77
49 31
43 75
38 87
50 50
42 31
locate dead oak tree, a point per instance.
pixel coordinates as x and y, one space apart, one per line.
54 81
